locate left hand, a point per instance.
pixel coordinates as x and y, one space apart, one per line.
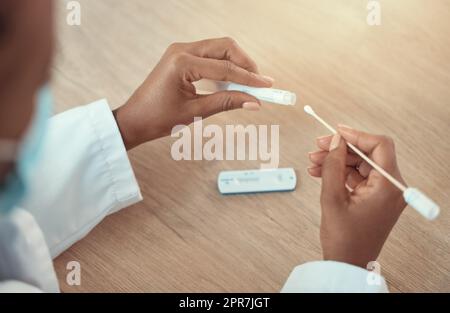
168 98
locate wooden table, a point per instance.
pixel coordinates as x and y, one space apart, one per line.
392 79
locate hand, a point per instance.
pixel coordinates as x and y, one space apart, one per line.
168 98
355 224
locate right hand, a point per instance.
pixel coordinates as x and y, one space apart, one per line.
356 224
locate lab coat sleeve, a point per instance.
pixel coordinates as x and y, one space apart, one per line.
83 175
331 276
13 286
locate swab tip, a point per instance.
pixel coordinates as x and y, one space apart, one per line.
419 201
308 109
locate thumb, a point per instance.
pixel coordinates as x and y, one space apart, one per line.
206 105
334 192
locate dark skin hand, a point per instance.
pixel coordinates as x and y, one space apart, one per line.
168 98
355 224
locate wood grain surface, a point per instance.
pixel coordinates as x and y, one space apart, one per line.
391 79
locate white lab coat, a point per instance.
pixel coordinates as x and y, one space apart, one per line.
84 175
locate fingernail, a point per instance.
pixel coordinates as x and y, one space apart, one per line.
251 106
323 139
335 142
348 132
267 78
344 127
310 169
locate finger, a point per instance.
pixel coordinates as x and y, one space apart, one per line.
318 157
380 148
353 178
323 143
223 70
364 141
364 169
334 194
224 49
207 105
352 160
315 171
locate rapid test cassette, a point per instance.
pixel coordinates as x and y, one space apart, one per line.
255 181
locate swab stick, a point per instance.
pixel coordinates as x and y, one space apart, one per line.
414 197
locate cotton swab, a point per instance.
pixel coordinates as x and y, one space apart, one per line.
399 185
414 197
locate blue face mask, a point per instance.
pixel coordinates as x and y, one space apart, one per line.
15 186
